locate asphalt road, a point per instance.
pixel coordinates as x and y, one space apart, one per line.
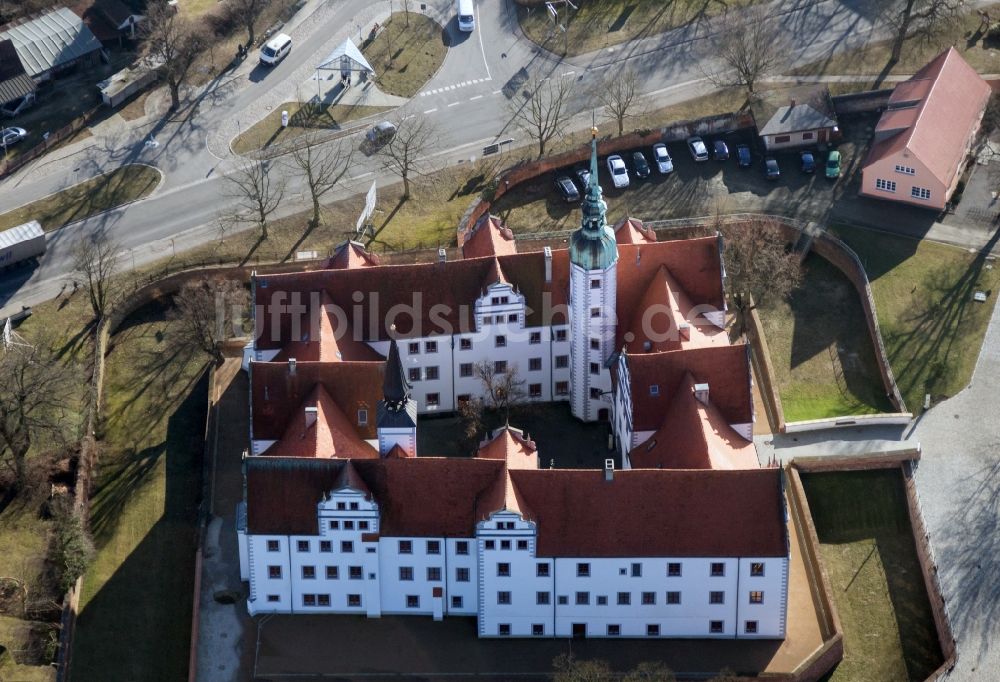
466 100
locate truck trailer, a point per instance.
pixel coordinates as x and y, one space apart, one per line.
21 243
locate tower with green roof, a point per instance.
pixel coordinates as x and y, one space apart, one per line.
593 255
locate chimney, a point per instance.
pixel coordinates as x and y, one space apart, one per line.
291 365
442 255
609 470
548 264
684 329
311 413
701 393
791 105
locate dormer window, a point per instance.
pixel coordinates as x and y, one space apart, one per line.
362 417
654 389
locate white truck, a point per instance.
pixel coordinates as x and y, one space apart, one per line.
21 243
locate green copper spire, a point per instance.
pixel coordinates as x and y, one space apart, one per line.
593 246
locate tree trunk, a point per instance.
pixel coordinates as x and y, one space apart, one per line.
406 186
250 39
263 229
904 27
541 147
315 218
175 96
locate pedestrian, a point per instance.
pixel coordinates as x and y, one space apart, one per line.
76 285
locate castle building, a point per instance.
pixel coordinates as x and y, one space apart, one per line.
342 514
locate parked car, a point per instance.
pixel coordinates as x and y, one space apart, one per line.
833 165
9 136
567 189
619 173
640 165
808 162
771 171
381 133
276 49
720 151
664 163
743 156
696 145
583 175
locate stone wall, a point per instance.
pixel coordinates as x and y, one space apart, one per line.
761 358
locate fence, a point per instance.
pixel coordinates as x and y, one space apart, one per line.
9 166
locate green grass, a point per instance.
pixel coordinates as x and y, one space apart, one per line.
823 358
87 198
931 326
867 548
981 52
603 23
405 57
302 119
135 607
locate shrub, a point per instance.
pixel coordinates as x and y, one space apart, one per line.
72 549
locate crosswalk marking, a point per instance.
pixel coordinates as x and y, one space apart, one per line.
447 88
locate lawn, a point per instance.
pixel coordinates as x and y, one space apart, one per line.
821 352
867 548
983 53
87 198
603 23
932 327
406 53
302 119
135 605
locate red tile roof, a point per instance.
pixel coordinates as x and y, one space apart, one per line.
726 369
656 513
277 394
282 493
351 254
632 231
510 446
950 108
332 434
489 237
327 337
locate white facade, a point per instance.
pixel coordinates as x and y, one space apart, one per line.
593 319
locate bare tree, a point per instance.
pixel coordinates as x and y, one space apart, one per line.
758 261
97 258
571 669
321 167
249 12
175 43
921 19
257 193
542 114
32 402
619 94
402 155
748 48
210 312
503 387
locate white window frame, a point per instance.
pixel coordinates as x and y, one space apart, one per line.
884 185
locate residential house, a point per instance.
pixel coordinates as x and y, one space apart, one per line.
797 117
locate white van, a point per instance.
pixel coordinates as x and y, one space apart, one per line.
276 49
466 16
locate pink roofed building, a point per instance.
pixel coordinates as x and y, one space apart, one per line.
924 138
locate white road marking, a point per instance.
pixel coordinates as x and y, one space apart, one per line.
497 92
482 49
569 73
431 111
406 118
473 99
454 104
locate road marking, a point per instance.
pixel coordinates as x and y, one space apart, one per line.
454 104
497 92
431 111
482 49
568 73
406 118
473 99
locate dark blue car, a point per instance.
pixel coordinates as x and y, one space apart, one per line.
808 162
743 156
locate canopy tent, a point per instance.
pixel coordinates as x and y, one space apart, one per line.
346 59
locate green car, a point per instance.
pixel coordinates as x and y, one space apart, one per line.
833 165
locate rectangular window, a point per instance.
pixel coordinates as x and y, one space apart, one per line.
716 597
413 374
308 572
614 630
325 546
542 570
354 600
595 312
505 544
434 574
715 627
465 344
341 505
431 347
456 602
354 573
500 366
562 361
595 344
495 300
674 570
595 368
905 170
757 569
432 374
462 547
462 575
412 601
534 390
433 546
465 369
538 630
346 547
274 572
302 545
406 573
781 139
512 318
503 570
756 597
362 525
582 598
885 185
652 630
503 597
433 399
500 341
405 547
595 394
535 365
332 573
309 600
673 597
595 284
362 417
487 319
807 136
490 544
503 629
583 570
920 193
413 348
624 598
636 570
563 600
648 598
323 599
542 598
654 389
718 569
462 398
334 525
273 598
348 525
273 546
535 337
562 388
560 335
602 600
750 627
522 545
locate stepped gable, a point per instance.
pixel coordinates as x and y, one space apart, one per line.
656 513
489 237
694 435
331 433
277 393
726 369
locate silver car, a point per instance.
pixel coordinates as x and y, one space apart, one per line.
696 145
9 136
661 156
